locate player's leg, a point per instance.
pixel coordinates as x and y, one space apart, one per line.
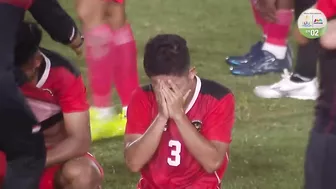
122 68
124 65
302 83
3 165
24 150
255 48
328 40
99 53
275 48
81 173
319 170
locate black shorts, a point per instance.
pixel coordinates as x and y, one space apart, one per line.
302 5
320 170
25 160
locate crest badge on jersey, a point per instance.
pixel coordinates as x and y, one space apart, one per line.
197 124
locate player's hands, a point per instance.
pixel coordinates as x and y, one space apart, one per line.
267 9
77 44
175 99
162 104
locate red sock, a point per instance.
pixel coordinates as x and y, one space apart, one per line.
125 71
278 32
3 165
258 19
98 44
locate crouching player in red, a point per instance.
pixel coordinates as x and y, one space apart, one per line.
56 94
179 127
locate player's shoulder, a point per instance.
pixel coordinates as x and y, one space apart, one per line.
59 62
214 89
144 93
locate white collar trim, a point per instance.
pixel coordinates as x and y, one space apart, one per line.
196 93
46 72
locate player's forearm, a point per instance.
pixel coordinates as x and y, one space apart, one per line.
202 149
55 20
139 152
67 149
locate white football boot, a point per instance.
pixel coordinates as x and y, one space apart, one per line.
287 88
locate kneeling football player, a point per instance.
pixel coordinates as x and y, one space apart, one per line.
56 93
179 127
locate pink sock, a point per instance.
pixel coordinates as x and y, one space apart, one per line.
276 41
98 45
258 19
125 71
278 32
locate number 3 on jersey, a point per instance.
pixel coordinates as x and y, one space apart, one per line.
175 153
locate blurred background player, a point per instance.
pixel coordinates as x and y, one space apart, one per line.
24 148
320 172
111 59
272 54
302 83
56 93
165 127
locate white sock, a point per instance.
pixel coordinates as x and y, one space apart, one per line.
105 112
278 51
124 109
264 36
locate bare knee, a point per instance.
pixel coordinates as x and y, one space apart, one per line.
116 15
328 40
81 173
91 12
328 43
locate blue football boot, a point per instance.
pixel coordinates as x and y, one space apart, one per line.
263 63
238 60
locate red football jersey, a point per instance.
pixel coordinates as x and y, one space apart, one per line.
25 4
328 7
60 88
211 111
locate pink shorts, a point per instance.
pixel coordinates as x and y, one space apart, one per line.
47 179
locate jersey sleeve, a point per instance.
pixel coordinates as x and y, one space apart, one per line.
328 7
138 113
71 92
219 122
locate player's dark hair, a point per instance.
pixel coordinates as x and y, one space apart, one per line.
166 54
28 39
